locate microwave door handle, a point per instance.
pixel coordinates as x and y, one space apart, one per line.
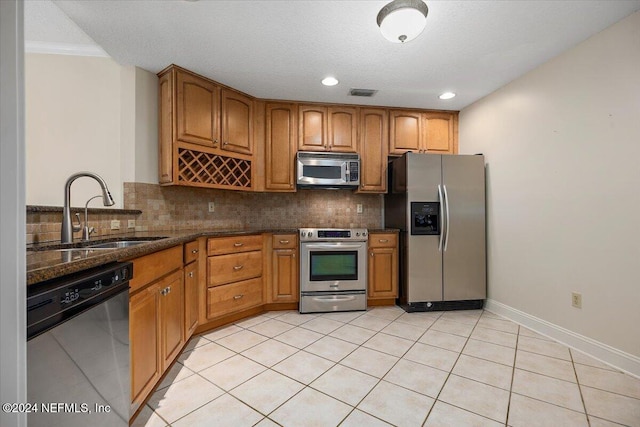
345 171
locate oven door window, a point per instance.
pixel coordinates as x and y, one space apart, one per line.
333 265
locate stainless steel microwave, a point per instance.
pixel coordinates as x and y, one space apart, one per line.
328 170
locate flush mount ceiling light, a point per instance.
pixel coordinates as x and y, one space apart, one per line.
402 20
447 95
329 81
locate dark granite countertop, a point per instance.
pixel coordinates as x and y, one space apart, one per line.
49 261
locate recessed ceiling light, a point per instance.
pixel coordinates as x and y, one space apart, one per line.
447 95
329 81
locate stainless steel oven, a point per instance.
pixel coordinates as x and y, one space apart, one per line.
333 269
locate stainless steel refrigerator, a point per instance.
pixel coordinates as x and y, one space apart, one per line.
438 203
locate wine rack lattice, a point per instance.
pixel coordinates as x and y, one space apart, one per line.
213 169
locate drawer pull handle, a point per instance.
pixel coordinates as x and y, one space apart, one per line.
191 274
383 240
238 267
284 242
238 244
236 297
195 251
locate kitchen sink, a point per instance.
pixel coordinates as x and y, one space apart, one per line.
118 245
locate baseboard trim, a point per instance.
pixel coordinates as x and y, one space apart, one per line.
604 353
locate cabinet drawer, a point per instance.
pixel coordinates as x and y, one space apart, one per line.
223 269
230 298
150 267
228 245
191 251
285 241
383 240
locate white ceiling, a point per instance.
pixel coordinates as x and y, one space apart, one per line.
282 49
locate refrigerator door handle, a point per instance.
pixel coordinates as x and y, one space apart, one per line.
446 199
441 218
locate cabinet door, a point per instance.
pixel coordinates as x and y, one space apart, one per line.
197 110
190 299
374 143
165 137
284 276
406 132
237 122
343 129
171 291
281 127
144 336
312 128
439 132
383 273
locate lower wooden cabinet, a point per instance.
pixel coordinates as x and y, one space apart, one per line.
144 338
191 272
284 269
171 318
222 300
383 266
156 320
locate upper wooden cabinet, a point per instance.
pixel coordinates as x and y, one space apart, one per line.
373 148
422 132
327 128
205 132
280 146
237 122
197 114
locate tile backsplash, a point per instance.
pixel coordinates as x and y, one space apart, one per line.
169 208
179 208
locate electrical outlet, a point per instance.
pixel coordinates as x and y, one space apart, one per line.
115 224
576 299
359 208
212 207
131 223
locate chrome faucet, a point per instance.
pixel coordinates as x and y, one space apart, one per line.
66 235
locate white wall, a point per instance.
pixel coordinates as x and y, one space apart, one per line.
13 316
88 113
562 146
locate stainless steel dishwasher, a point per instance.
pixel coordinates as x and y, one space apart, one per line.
78 349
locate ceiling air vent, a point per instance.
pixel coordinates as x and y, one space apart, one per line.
362 92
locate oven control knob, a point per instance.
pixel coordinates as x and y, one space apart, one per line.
364 234
357 234
309 234
302 233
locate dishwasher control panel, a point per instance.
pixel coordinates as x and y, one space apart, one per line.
53 302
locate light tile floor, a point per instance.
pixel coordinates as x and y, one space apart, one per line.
387 367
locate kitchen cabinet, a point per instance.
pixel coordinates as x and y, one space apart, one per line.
283 281
156 319
237 122
373 147
422 132
383 268
280 151
197 114
191 281
205 132
234 275
327 128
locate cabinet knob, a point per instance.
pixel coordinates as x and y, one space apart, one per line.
191 274
238 267
195 251
371 253
215 142
236 297
238 244
225 143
